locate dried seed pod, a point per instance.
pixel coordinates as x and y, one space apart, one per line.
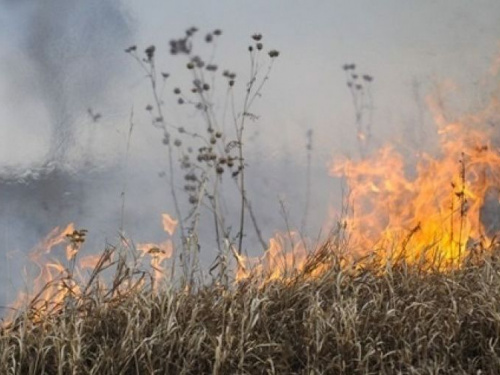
273 53
150 51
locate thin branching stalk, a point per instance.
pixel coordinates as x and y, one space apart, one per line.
125 178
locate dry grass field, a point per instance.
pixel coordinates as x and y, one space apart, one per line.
365 319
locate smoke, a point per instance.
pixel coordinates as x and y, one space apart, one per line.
72 52
64 63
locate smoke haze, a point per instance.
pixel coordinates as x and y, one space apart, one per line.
63 58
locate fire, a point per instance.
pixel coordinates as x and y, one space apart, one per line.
56 283
434 211
88 262
169 224
54 238
46 292
285 256
160 252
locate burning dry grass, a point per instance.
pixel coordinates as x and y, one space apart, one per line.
346 320
417 293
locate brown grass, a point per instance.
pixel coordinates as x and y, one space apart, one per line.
400 321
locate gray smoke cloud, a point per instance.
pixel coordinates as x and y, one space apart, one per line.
72 50
72 45
69 58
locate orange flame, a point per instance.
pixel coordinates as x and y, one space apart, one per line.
286 255
88 261
46 293
169 224
159 252
55 284
54 238
432 212
435 211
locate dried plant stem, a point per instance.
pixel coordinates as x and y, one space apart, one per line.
250 96
171 175
303 226
125 179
